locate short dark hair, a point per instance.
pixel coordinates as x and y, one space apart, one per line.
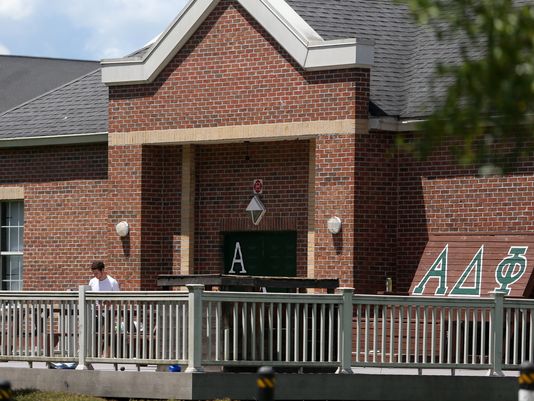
97 264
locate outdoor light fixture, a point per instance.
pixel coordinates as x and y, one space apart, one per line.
122 228
256 210
333 225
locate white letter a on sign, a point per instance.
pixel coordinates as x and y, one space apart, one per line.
238 259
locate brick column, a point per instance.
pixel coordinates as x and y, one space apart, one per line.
335 196
187 234
125 190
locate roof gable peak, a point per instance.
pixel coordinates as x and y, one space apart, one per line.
287 27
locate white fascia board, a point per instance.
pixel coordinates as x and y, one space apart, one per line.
290 32
305 45
145 69
339 54
293 33
74 139
394 125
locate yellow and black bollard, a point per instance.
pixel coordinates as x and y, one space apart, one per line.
526 382
5 390
266 383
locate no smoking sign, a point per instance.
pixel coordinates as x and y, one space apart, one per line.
257 186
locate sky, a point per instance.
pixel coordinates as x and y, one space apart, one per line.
82 29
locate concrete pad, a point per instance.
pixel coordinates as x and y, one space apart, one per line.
242 386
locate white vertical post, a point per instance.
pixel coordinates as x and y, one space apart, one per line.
195 328
346 331
497 327
82 328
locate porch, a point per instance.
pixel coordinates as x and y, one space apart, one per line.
393 343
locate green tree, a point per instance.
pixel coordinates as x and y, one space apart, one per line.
487 111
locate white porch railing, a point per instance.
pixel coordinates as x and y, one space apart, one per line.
199 328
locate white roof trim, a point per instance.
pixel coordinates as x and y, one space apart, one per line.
73 139
294 34
392 124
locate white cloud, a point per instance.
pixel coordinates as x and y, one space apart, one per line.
118 27
4 49
16 9
83 29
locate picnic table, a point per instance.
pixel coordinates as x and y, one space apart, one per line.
244 282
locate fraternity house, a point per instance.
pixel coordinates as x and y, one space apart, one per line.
252 137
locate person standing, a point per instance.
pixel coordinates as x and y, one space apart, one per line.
105 319
101 280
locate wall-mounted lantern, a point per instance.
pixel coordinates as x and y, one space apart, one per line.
122 228
333 225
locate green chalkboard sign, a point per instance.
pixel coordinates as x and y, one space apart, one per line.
266 253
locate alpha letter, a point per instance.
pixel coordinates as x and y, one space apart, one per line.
438 270
238 258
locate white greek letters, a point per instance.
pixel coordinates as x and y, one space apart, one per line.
238 259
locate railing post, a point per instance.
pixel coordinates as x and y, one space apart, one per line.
498 325
195 328
346 331
82 329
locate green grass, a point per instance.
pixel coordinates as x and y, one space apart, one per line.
35 395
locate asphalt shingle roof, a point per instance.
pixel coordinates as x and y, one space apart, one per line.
402 78
77 107
403 81
22 78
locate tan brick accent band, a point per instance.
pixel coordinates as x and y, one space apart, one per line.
238 133
8 193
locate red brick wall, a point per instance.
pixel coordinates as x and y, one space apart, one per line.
224 177
65 191
438 196
375 212
231 72
145 187
334 196
125 191
161 190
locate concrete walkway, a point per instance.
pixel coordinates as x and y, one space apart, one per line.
370 371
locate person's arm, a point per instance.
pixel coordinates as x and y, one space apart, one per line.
115 285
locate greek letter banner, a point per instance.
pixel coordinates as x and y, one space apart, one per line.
474 265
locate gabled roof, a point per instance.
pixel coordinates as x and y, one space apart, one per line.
402 77
324 34
23 78
294 34
72 113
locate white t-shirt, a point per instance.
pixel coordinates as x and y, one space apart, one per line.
108 284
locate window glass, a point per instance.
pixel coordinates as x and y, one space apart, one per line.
3 214
4 239
11 244
15 214
12 272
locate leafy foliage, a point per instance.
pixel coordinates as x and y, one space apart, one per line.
487 112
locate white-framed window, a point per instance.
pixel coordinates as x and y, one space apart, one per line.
11 244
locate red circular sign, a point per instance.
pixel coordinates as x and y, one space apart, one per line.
257 187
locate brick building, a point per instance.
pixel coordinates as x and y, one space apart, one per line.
302 98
